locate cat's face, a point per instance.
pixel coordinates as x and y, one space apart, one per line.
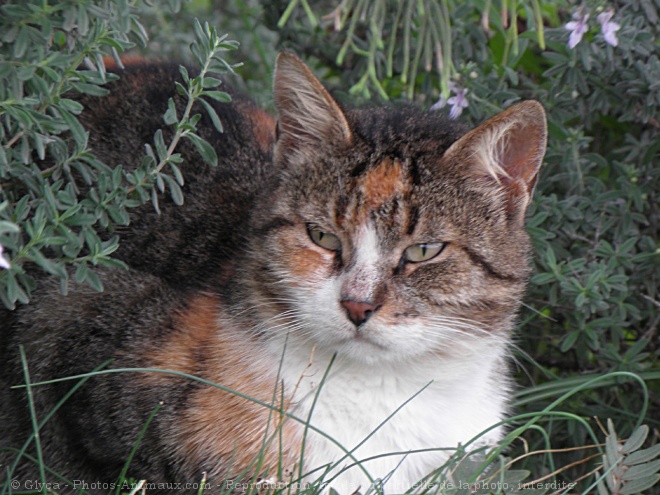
382 241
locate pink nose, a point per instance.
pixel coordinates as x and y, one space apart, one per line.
359 311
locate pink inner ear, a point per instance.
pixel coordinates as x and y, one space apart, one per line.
508 150
521 157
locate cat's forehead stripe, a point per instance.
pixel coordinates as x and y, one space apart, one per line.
382 182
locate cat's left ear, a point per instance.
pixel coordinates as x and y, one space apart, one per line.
508 150
308 116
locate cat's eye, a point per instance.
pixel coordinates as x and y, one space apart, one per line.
422 252
324 239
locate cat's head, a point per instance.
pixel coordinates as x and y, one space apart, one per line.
392 233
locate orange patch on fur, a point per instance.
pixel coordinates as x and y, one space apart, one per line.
263 126
383 182
218 431
195 328
111 64
307 264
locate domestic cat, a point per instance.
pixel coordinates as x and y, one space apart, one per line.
357 272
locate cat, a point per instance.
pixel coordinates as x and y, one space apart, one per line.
356 272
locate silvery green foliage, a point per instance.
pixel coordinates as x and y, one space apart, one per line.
48 54
44 56
206 50
627 468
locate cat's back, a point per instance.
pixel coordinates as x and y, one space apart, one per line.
182 243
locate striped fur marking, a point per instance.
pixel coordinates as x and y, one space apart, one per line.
382 183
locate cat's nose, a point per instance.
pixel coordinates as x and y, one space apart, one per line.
359 311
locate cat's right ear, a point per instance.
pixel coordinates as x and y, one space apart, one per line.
308 116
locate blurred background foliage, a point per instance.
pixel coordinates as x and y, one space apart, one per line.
591 316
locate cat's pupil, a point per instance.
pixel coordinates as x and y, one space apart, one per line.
423 252
324 239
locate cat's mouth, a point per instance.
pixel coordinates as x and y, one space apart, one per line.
364 334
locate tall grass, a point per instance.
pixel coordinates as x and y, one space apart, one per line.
504 469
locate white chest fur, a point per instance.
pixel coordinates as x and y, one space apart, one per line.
417 411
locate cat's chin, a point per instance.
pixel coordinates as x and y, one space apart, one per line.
371 349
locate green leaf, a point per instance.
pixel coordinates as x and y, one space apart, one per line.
636 440
177 173
543 278
184 73
220 96
160 183
602 489
192 121
638 486
81 273
569 340
159 142
199 32
154 201
611 443
112 263
8 227
91 89
93 281
205 149
139 31
639 471
83 20
170 116
212 114
180 88
175 190
59 38
175 158
22 42
77 130
110 246
551 259
9 36
80 219
71 106
64 284
70 212
211 82
3 158
150 159
117 176
641 456
119 215
44 263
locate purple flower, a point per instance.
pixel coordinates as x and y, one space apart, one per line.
577 28
4 263
609 28
457 102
